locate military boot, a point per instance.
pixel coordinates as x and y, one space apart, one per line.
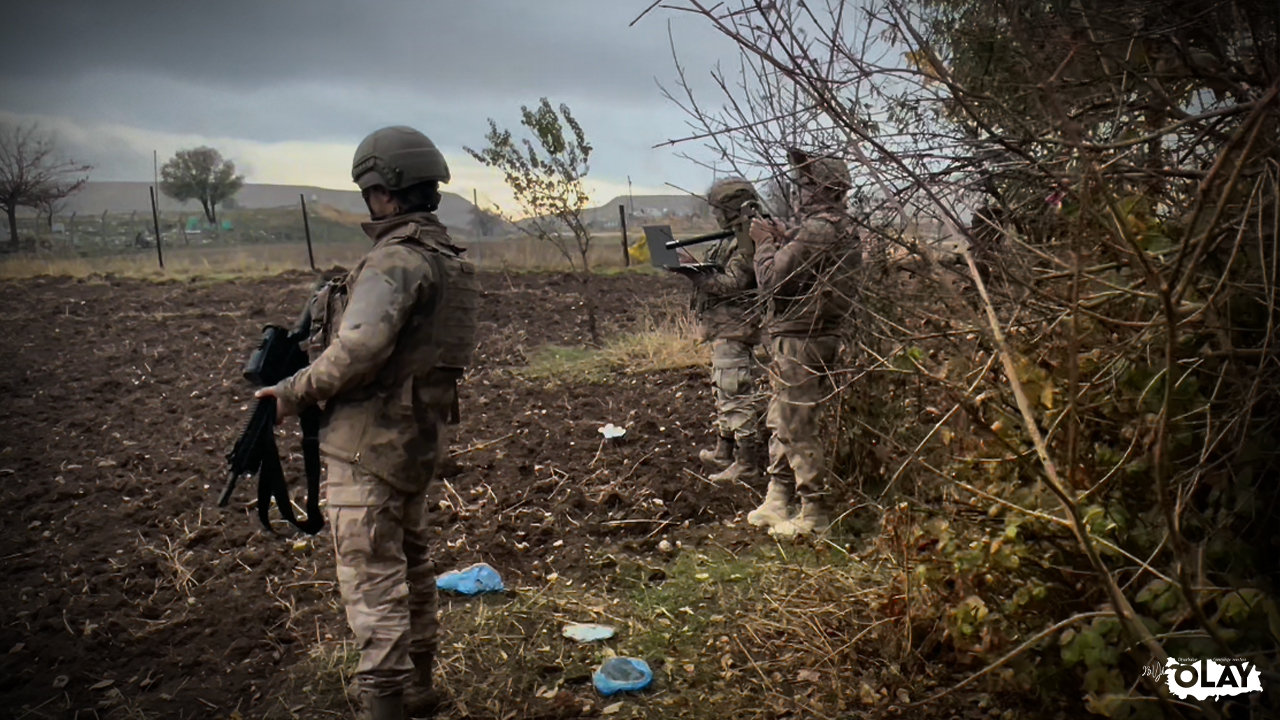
746 463
422 699
387 707
813 517
773 511
721 456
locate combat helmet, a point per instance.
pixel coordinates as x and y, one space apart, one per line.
826 175
727 196
397 157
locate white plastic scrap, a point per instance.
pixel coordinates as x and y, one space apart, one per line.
612 432
587 632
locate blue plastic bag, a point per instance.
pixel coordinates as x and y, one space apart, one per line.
622 674
479 578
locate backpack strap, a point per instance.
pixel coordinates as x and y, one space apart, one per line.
272 485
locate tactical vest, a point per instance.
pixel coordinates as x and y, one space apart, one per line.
454 311
818 298
440 334
721 254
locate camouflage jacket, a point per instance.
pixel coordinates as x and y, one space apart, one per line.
725 303
807 274
389 341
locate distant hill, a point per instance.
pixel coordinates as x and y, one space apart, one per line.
649 206
455 211
124 197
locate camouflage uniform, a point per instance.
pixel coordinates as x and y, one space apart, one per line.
725 304
393 336
806 272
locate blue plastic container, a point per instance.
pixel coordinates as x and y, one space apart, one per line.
479 578
622 674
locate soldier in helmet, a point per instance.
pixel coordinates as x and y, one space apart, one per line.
805 271
725 305
390 341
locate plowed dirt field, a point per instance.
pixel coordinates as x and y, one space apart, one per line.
127 593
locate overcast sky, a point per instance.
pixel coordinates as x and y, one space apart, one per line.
287 88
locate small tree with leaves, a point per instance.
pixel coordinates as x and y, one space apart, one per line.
31 174
485 222
545 174
200 174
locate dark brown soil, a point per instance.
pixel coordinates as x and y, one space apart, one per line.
124 586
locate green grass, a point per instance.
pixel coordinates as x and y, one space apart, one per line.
695 593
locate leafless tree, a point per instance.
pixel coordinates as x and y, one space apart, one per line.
32 174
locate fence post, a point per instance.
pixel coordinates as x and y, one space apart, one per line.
622 221
155 217
306 228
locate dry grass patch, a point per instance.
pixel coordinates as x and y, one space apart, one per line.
264 260
320 685
242 261
775 630
527 254
661 342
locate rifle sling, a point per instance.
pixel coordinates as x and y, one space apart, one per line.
271 483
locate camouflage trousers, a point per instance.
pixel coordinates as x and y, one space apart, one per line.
799 376
733 371
386 577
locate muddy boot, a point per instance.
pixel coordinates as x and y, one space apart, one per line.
812 518
773 511
388 707
422 699
721 456
746 463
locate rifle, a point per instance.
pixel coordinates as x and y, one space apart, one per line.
277 357
750 210
662 246
699 239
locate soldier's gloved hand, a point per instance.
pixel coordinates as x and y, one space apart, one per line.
285 404
765 230
699 279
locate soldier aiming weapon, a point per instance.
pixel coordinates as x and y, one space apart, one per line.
663 245
725 305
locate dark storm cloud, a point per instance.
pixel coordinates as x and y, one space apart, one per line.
448 51
329 70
